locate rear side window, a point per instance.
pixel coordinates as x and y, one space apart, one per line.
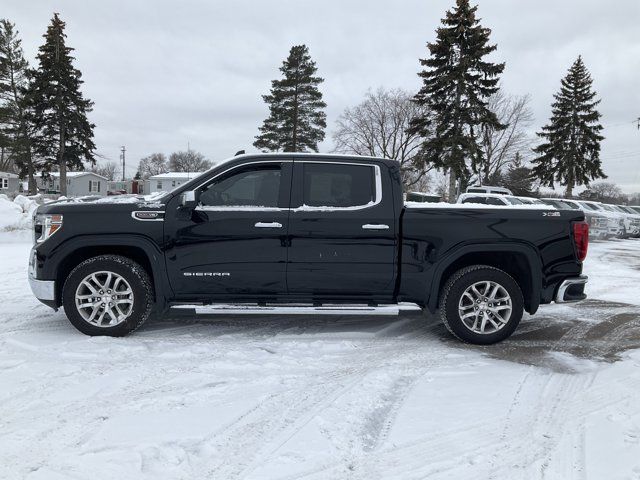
337 185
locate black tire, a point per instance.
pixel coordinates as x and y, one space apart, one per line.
454 290
132 272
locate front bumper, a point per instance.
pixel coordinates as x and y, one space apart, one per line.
43 289
572 290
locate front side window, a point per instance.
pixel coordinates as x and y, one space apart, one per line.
159 186
94 186
337 185
5 183
256 186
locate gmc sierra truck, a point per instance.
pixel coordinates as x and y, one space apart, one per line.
303 229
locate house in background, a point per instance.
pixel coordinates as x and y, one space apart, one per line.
9 183
122 187
79 184
165 182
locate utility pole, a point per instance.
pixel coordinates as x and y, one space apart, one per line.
122 151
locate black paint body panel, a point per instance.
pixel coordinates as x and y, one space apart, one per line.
213 255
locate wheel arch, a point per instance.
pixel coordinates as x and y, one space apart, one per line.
518 260
137 248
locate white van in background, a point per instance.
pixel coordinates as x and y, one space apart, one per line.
489 189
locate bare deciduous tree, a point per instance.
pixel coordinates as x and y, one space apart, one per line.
500 146
378 127
607 192
189 161
109 170
153 164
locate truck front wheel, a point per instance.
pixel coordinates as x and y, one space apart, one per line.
481 304
107 295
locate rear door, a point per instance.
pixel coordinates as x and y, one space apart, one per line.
342 231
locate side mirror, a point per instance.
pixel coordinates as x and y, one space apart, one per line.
188 199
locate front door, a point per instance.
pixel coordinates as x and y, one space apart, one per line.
234 243
343 235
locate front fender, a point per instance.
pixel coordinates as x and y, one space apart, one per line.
50 262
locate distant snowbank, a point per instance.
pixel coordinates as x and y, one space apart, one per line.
152 200
460 206
16 214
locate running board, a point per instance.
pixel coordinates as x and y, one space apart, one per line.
252 309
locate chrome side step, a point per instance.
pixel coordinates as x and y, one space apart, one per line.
302 309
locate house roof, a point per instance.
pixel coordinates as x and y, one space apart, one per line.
77 174
8 175
175 176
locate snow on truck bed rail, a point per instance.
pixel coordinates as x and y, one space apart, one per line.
464 206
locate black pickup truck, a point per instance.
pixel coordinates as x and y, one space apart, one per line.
303 228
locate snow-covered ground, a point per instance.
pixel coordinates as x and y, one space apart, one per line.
326 397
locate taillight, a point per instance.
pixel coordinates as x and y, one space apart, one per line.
581 239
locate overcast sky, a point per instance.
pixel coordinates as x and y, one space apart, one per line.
164 74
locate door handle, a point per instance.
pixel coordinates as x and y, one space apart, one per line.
268 225
375 226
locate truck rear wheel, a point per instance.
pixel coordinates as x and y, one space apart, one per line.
481 304
107 295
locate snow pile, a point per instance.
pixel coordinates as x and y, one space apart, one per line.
16 214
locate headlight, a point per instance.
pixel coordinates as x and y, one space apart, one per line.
46 225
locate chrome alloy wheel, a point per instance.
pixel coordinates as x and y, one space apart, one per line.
104 299
485 307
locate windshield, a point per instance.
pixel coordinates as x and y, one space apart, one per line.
620 209
572 205
559 204
589 206
514 200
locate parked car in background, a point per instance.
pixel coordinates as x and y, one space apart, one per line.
531 201
423 197
631 219
489 189
615 219
598 223
494 199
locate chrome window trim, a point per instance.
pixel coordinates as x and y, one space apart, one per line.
378 186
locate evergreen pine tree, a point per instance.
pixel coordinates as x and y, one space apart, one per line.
570 153
64 134
15 128
519 179
296 121
457 83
